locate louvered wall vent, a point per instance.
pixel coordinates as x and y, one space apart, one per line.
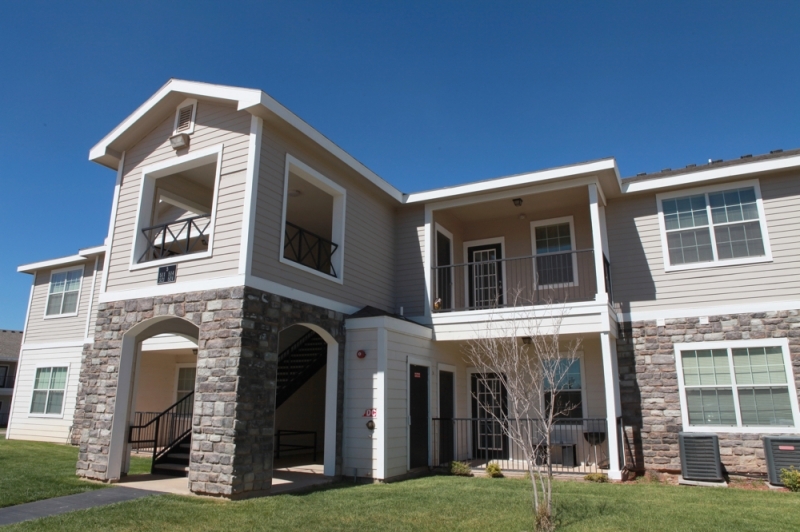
184 118
700 457
781 452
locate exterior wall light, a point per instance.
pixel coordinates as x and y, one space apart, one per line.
371 425
361 353
517 202
180 141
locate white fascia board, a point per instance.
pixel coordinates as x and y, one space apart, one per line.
82 255
712 174
515 180
390 324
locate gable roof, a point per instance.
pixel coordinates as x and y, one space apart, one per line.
108 151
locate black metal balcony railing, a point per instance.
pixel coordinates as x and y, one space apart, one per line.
181 237
309 249
7 381
534 280
576 445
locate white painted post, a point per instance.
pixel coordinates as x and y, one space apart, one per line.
597 244
613 407
380 403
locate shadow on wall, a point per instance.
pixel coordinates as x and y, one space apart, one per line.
631 277
631 399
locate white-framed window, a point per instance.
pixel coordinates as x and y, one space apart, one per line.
49 385
185 115
64 292
177 209
737 386
185 383
312 226
568 391
553 244
716 225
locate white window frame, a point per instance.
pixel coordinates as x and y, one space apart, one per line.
144 209
783 343
584 407
178 368
82 269
556 221
305 172
185 103
716 263
66 387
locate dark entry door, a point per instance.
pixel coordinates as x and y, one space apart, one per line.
489 405
446 415
418 414
485 276
444 276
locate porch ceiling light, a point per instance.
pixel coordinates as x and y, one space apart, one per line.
517 202
294 193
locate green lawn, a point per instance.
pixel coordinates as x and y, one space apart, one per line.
30 471
432 503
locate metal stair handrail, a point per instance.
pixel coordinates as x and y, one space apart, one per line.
165 430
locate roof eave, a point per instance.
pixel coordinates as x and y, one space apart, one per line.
81 256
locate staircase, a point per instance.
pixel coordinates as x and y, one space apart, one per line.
298 363
169 434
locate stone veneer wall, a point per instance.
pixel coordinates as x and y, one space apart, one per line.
649 385
233 424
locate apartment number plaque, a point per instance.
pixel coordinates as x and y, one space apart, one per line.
167 274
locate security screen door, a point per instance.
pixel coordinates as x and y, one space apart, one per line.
485 276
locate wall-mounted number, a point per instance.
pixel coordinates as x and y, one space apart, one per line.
167 274
371 412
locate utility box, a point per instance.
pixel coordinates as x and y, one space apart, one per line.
781 452
700 457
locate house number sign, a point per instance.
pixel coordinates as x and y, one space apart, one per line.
371 412
167 274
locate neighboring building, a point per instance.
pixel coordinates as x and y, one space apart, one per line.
10 342
259 285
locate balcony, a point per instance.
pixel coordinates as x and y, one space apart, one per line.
309 249
181 237
490 283
7 381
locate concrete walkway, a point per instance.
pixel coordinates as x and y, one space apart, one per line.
69 503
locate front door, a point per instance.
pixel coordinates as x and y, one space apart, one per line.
446 415
485 276
418 416
444 275
489 406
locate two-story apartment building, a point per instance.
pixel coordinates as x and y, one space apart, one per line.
258 286
10 342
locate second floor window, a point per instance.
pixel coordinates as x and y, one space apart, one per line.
65 288
713 227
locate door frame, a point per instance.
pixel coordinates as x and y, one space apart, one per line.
484 242
439 229
416 361
450 369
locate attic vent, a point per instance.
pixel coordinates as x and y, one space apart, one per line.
184 118
700 457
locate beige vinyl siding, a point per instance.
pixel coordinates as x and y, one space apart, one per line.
25 426
369 248
98 284
409 281
215 124
637 262
58 329
360 447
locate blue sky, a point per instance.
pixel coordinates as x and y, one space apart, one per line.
426 94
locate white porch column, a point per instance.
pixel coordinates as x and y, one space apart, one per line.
597 215
613 407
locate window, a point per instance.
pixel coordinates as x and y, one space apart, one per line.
568 391
313 222
743 384
48 391
186 378
715 226
64 292
551 239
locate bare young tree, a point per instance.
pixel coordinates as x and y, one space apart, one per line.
526 355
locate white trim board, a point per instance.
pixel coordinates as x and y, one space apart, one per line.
720 310
250 196
390 324
783 343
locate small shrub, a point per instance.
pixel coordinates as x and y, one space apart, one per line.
791 478
461 469
493 470
596 477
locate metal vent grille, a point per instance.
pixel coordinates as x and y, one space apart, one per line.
781 452
700 457
184 118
